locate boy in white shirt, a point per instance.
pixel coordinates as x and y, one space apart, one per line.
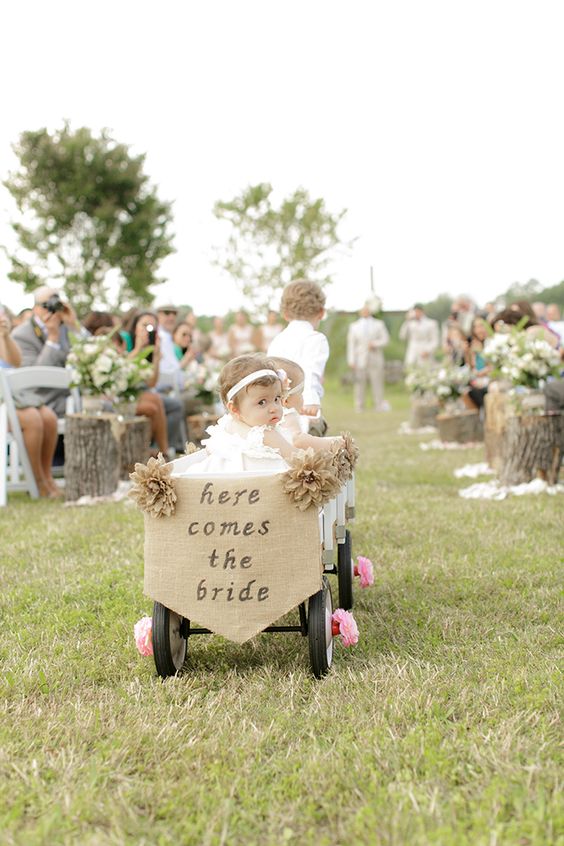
303 306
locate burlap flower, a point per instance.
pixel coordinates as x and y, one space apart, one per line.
351 448
341 462
191 447
152 488
311 479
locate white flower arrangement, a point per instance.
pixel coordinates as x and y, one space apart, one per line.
203 377
419 381
97 368
444 383
138 370
522 358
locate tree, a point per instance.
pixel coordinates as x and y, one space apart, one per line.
87 216
522 291
439 308
269 246
554 294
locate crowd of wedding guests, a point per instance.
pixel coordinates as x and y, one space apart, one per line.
181 351
40 336
462 336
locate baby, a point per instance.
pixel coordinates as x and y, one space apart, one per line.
292 425
248 437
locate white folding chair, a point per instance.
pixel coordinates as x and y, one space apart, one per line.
15 467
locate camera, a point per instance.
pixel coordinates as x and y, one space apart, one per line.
54 304
151 333
152 337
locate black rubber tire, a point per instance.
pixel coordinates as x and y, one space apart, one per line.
345 572
319 630
169 643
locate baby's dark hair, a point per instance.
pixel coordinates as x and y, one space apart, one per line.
239 367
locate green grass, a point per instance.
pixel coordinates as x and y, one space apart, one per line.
441 727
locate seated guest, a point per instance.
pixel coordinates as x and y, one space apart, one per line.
455 346
240 335
554 395
21 317
44 340
38 422
522 313
143 332
197 335
474 397
554 321
182 337
166 321
268 331
96 320
219 349
149 403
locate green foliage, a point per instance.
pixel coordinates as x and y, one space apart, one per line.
439 308
268 246
532 291
554 294
87 211
522 291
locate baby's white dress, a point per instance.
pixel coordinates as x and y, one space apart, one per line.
234 447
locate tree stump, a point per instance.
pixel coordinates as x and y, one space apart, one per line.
423 413
135 443
496 406
532 446
463 428
92 456
99 450
197 425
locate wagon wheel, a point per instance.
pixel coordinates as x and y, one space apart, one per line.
345 569
169 640
319 626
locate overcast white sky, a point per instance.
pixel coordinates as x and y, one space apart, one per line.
438 124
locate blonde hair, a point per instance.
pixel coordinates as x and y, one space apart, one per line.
293 369
238 368
302 300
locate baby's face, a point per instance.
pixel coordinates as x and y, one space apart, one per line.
259 405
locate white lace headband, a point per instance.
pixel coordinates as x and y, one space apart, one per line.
253 377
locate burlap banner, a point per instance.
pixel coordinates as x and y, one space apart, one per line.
235 556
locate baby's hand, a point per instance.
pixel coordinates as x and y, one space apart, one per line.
311 410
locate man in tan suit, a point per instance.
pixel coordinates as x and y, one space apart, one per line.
366 340
422 336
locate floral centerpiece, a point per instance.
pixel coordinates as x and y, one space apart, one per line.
526 362
443 383
450 382
97 367
522 359
420 382
138 371
202 378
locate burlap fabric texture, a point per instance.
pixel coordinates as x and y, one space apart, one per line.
235 556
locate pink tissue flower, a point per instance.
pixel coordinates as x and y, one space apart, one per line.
365 570
345 624
143 633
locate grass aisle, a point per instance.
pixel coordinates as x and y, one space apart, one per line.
440 727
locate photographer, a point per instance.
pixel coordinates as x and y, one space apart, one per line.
142 331
44 339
